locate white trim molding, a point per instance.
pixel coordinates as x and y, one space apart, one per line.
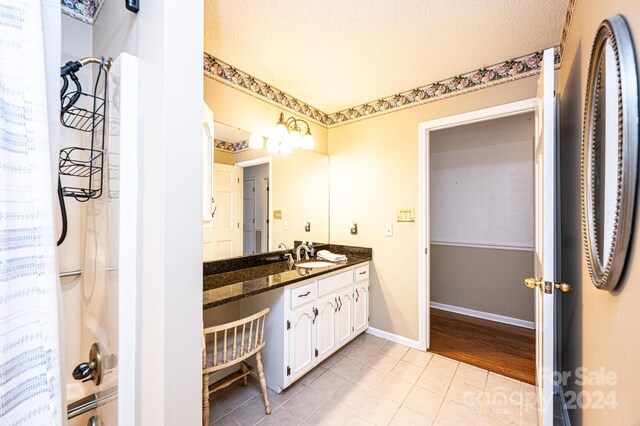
484 315
394 338
424 257
480 246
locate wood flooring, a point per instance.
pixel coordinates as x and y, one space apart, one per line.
501 348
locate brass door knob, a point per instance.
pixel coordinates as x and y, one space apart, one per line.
546 285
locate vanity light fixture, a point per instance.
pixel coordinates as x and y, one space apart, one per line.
285 137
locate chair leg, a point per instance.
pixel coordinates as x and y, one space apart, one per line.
245 379
263 383
205 400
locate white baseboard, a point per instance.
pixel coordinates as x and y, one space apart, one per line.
393 337
484 315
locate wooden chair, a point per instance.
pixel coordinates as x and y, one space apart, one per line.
230 344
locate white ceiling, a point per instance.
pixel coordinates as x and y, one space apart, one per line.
335 54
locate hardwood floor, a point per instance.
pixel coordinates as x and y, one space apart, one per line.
501 348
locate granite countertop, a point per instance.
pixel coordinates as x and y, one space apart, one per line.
229 286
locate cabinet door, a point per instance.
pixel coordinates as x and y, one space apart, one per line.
302 340
326 325
361 306
345 315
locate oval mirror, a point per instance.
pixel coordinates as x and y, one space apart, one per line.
609 152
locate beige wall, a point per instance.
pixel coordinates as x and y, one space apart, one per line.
485 280
223 157
374 172
599 328
243 111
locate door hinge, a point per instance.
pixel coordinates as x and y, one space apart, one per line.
316 353
253 189
352 329
288 371
426 251
288 325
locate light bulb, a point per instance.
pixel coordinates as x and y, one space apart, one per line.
286 147
256 141
273 146
296 138
308 142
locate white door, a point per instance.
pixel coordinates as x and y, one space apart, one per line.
249 216
360 303
326 325
208 239
227 215
345 314
545 235
302 339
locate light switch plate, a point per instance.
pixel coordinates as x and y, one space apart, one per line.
388 230
406 215
277 214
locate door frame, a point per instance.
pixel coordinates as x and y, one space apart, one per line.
257 162
424 241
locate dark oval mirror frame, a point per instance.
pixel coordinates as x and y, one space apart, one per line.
606 274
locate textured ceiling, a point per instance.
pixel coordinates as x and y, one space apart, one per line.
335 54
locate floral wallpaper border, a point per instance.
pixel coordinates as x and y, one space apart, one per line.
568 19
82 10
230 147
510 70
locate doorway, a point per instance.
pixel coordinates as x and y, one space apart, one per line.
476 226
255 196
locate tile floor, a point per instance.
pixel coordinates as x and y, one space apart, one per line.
372 381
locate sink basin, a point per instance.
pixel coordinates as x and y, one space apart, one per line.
314 264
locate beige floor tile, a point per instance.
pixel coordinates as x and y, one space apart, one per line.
379 411
328 383
416 357
373 342
393 388
406 371
347 367
352 395
332 360
529 395
465 394
383 363
312 375
423 402
442 365
249 413
497 382
277 399
332 414
434 382
501 405
485 420
454 414
224 421
407 417
528 416
362 353
304 403
369 377
280 417
471 375
394 350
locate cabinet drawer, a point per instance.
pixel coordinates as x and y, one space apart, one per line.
303 294
334 283
362 273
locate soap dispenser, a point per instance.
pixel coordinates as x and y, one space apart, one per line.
312 250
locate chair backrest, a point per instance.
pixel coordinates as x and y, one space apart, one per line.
230 343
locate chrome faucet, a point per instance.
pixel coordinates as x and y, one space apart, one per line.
287 255
307 250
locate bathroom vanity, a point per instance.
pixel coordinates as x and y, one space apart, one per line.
314 312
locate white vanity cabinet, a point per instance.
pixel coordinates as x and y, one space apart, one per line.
310 320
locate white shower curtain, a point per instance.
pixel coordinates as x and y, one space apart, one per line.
29 335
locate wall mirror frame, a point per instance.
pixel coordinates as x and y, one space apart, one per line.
609 161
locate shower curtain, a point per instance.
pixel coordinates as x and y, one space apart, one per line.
30 387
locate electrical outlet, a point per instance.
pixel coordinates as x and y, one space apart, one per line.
307 226
354 228
388 230
285 225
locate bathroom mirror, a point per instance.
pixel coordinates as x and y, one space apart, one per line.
609 152
259 199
